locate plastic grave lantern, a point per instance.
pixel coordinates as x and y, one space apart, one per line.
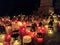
27 39
2 37
50 32
22 30
8 37
17 42
39 37
19 23
1 43
8 29
42 30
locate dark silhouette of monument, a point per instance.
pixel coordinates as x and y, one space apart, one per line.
44 7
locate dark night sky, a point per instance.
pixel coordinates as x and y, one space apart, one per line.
12 7
56 5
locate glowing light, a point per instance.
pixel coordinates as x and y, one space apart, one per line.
9 20
27 39
24 23
8 28
4 25
55 21
16 21
46 26
20 24
41 29
8 37
22 30
27 29
18 15
50 31
54 16
14 16
59 24
3 19
1 43
13 23
2 37
16 42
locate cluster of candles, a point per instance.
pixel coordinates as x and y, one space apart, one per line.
24 32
